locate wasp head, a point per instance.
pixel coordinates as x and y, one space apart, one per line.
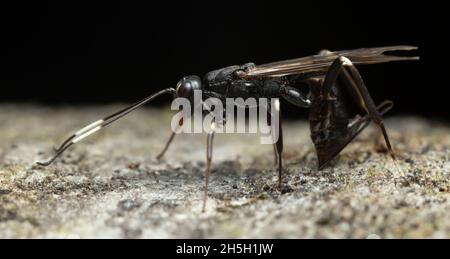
187 86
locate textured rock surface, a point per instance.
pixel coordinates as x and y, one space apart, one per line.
111 185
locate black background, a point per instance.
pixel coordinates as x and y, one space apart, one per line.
83 53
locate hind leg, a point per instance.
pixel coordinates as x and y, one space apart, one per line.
332 126
354 80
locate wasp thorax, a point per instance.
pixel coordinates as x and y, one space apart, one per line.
188 85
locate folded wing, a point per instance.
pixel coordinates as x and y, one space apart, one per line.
321 62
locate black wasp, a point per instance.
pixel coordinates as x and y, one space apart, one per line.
332 78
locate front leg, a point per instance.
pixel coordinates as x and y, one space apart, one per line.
172 136
209 153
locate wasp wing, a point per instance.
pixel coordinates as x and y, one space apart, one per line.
321 62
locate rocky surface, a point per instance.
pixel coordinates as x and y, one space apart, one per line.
111 185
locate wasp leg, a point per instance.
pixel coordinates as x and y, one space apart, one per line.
332 127
353 78
209 153
169 141
364 121
275 155
269 122
160 155
279 142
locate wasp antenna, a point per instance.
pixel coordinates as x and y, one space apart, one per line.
98 125
52 159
